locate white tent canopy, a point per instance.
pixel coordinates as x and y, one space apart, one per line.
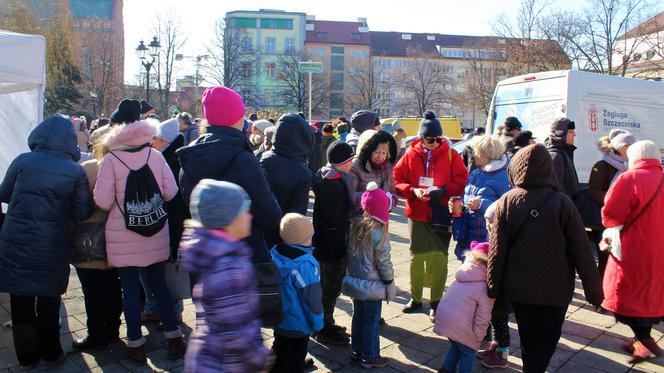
22 83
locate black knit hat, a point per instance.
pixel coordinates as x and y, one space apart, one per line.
523 138
364 120
512 123
339 153
430 126
128 111
146 107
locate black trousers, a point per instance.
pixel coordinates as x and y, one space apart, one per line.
102 296
36 328
539 330
602 256
290 354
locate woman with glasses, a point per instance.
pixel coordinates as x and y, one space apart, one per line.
427 176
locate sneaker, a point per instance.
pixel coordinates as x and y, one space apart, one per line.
377 362
329 336
495 361
176 348
137 354
355 356
491 351
47 365
413 307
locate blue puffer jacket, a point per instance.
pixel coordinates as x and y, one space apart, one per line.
489 183
301 294
45 189
369 270
224 153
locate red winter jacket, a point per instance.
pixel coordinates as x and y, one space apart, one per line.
451 175
634 285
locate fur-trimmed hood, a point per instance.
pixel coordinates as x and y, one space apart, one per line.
371 145
131 135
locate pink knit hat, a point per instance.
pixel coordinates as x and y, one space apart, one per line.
376 203
482 247
222 106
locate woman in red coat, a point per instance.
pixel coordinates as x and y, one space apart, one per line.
633 285
428 175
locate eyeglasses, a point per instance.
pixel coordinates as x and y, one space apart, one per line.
431 140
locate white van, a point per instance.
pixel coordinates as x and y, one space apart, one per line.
596 103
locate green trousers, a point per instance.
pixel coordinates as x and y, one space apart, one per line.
429 255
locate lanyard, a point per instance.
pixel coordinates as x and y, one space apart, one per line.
426 168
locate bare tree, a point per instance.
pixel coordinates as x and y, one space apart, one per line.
653 58
296 84
365 84
171 37
99 68
484 67
424 79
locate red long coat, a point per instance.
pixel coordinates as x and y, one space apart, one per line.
451 175
635 285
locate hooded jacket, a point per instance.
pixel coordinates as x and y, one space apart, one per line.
301 293
633 286
224 153
285 165
562 155
450 174
228 335
129 144
464 313
333 207
45 190
533 261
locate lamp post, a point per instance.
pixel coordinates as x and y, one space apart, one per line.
143 53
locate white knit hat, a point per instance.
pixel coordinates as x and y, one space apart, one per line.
621 138
168 130
262 125
644 149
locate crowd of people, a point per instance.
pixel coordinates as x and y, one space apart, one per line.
215 209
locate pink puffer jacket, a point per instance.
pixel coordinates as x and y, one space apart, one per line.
465 311
125 248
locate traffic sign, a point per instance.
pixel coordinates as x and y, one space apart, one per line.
311 67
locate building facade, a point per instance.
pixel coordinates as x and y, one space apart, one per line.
643 49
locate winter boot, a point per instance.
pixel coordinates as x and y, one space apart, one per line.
329 336
496 361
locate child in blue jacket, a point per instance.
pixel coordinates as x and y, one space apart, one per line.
301 294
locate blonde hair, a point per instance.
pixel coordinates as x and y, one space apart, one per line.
487 147
604 145
98 140
362 230
477 257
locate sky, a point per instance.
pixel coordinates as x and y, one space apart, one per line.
464 17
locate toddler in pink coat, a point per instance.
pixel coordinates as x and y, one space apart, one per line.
464 313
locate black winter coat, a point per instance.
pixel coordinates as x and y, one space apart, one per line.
285 165
45 189
563 164
177 211
332 212
224 153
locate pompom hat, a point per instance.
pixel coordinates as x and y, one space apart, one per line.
376 203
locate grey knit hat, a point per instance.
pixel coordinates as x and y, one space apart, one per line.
216 204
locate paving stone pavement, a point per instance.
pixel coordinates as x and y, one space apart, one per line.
590 341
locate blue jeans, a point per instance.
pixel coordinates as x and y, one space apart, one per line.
131 302
364 336
151 307
461 355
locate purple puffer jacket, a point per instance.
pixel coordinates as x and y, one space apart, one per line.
227 336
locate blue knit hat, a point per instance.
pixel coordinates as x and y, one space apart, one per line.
430 126
216 204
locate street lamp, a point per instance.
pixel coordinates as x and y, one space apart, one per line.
142 52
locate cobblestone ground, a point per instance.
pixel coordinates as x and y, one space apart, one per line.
590 341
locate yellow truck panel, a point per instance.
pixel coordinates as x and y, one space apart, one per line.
451 126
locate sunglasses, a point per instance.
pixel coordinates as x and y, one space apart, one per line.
431 140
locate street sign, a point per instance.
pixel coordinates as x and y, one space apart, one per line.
311 67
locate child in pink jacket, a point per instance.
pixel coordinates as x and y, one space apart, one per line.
464 313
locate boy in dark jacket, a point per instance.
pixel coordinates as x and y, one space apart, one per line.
300 293
332 210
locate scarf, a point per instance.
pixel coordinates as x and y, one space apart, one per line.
617 162
378 166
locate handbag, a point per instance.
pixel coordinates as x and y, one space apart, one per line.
590 211
269 293
441 217
89 242
177 280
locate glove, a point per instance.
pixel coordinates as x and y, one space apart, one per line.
436 195
391 291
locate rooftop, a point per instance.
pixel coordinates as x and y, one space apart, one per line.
392 43
650 26
337 32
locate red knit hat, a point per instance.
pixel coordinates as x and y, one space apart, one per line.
222 106
376 203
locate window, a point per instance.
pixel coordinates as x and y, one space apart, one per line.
321 35
637 56
363 53
289 47
247 44
355 36
650 54
321 52
241 22
337 81
336 100
337 62
276 23
313 52
246 70
352 52
270 69
337 50
270 45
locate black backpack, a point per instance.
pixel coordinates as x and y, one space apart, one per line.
144 207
